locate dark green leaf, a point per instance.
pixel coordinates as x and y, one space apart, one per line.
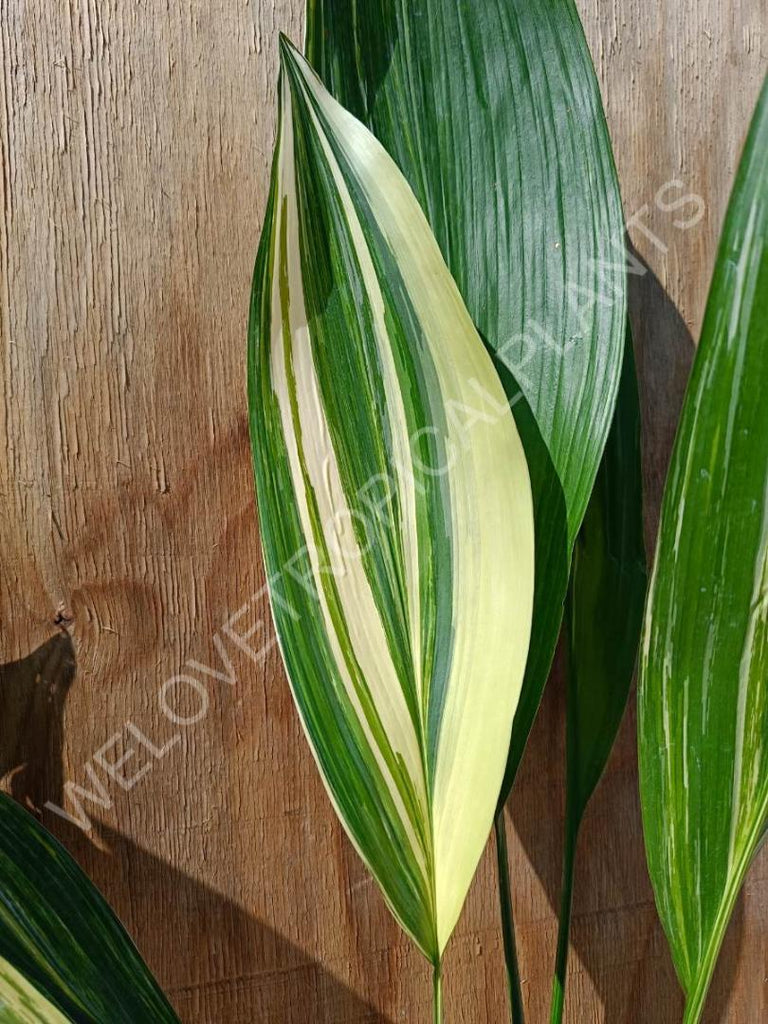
605 609
606 595
64 956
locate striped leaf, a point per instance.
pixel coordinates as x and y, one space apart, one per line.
64 956
492 111
605 610
395 509
703 696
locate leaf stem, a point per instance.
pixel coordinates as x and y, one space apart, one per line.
437 994
508 922
564 928
694 1004
696 998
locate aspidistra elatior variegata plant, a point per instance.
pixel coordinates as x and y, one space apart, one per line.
395 509
703 687
64 956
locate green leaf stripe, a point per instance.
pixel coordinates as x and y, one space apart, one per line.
64 956
492 111
395 509
703 696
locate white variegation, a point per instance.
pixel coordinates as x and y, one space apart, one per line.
444 813
366 629
703 683
22 1003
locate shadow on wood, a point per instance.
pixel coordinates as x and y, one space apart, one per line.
616 935
664 353
215 961
33 692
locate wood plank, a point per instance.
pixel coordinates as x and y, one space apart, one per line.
136 142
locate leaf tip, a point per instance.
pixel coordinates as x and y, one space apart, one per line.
288 52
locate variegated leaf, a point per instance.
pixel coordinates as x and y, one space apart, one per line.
395 509
64 956
492 111
703 695
21 1002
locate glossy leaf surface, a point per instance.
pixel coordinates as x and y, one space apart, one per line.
604 616
492 111
703 696
605 606
395 509
64 956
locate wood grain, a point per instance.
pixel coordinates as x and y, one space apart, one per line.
135 143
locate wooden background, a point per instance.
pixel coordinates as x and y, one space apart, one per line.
135 141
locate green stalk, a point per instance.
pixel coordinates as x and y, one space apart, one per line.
695 999
564 928
508 922
437 999
694 1004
